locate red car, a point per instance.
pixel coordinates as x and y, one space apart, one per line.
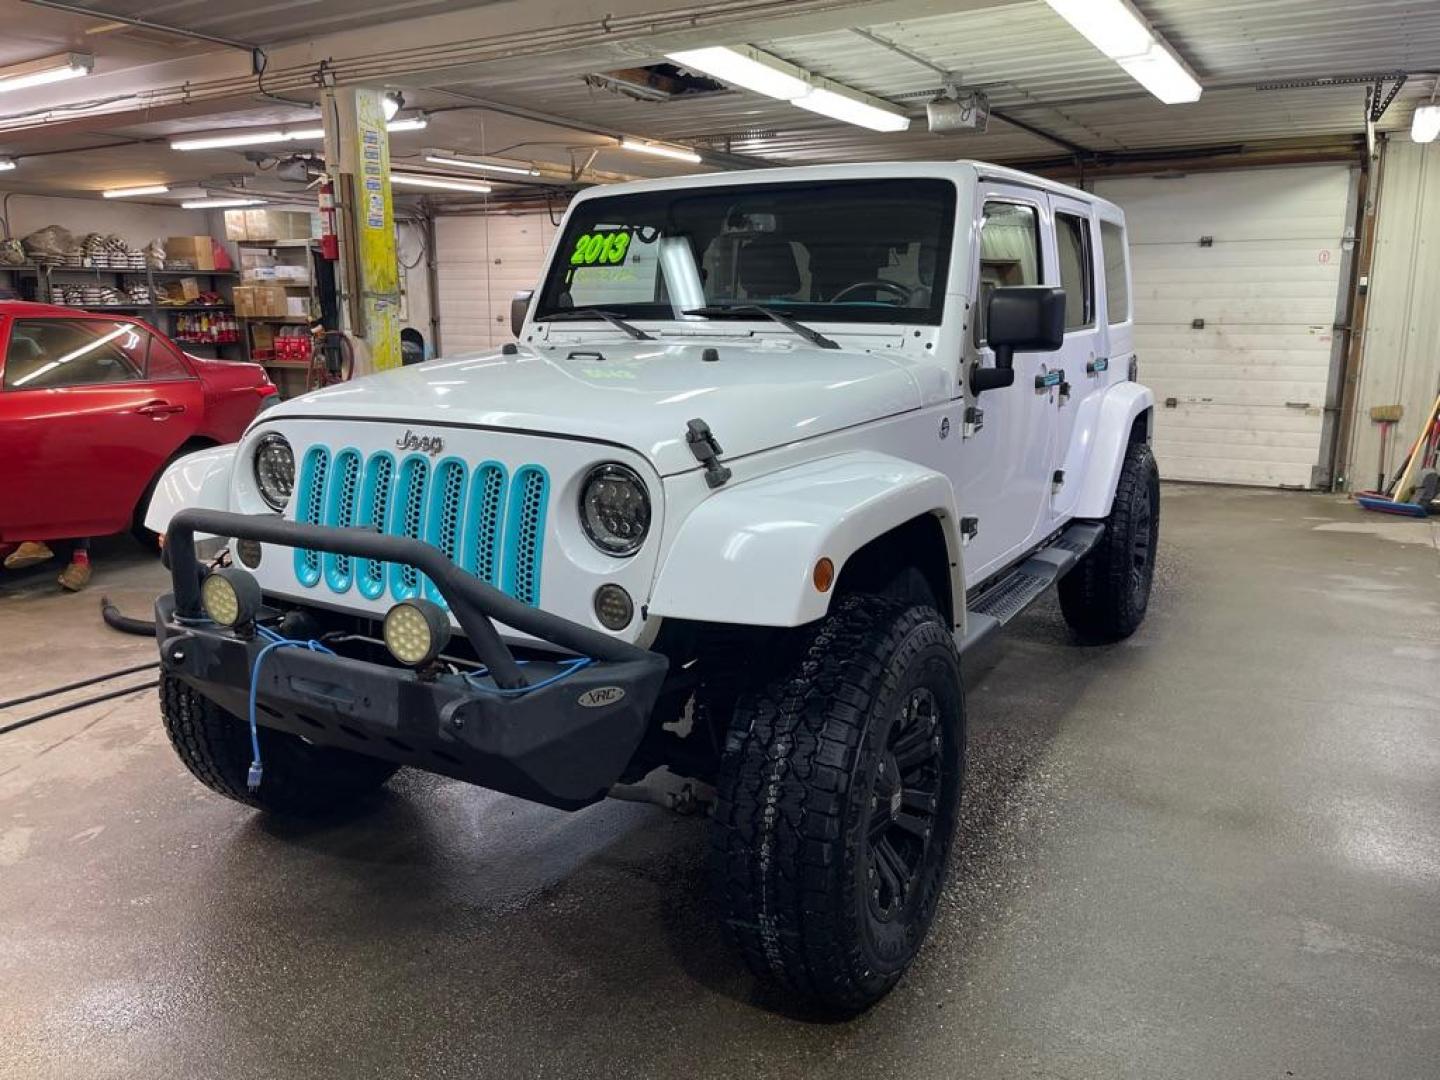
93 407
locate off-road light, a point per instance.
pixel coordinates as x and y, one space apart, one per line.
416 632
230 596
613 607
274 469
615 509
249 552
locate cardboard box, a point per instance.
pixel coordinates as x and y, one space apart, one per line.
235 225
183 290
297 306
293 275
197 252
260 301
261 273
278 225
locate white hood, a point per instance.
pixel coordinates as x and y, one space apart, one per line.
640 394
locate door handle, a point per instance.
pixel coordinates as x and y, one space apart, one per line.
159 410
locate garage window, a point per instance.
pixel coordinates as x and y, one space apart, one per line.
1077 274
1117 290
50 353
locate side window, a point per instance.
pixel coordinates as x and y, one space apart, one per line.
1009 253
49 353
162 364
1077 273
1117 292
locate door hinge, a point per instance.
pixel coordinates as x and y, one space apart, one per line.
969 527
1049 379
1096 366
707 451
974 421
1057 479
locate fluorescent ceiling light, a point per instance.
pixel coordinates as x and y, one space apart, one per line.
49 70
853 108
676 153
1424 126
437 158
6 164
742 66
126 192
263 136
1121 33
443 183
218 204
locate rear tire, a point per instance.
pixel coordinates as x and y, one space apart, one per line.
299 780
1105 597
837 800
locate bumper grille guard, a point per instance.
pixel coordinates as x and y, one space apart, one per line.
473 602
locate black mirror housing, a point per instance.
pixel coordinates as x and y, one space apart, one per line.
519 306
1026 318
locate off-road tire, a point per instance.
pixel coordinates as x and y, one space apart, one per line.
299 780
1105 597
801 845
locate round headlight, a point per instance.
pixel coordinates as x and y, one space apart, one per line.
274 470
416 631
615 509
230 596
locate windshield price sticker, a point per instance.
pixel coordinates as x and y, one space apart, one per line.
603 248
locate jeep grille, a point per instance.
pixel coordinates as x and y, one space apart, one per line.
491 526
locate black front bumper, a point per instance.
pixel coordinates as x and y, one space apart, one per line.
563 744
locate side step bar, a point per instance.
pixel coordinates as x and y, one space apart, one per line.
1015 590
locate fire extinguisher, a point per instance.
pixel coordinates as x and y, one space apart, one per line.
329 241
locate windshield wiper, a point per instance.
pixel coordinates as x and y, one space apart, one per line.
721 311
598 313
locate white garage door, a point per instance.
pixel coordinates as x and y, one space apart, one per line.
481 263
1236 284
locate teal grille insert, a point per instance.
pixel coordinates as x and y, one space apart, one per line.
407 518
525 533
485 521
310 508
341 503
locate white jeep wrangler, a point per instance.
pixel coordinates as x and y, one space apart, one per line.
772 451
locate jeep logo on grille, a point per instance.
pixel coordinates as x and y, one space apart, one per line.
426 444
601 695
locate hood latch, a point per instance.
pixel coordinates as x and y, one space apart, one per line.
707 451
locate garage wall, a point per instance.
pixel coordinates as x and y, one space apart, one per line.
1401 358
414 281
1241 398
482 262
136 223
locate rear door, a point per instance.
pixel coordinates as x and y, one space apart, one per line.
1004 479
84 430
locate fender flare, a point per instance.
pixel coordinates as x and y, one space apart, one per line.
1120 406
747 554
201 479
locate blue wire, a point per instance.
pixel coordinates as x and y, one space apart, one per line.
275 641
570 666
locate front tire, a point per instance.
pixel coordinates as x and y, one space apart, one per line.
299 779
1106 596
838 794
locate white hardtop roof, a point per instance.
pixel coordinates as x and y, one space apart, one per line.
943 170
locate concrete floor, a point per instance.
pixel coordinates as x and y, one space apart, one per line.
1212 851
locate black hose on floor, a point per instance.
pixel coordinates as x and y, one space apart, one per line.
78 684
124 623
76 705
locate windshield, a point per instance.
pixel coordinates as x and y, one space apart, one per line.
839 251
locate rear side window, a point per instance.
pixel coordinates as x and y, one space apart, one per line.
162 365
1009 253
1117 291
1077 273
50 353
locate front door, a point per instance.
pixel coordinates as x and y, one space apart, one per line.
1005 480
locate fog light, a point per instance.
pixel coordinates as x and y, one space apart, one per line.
416 632
230 596
248 552
613 607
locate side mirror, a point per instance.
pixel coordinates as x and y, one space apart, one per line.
1019 318
519 306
